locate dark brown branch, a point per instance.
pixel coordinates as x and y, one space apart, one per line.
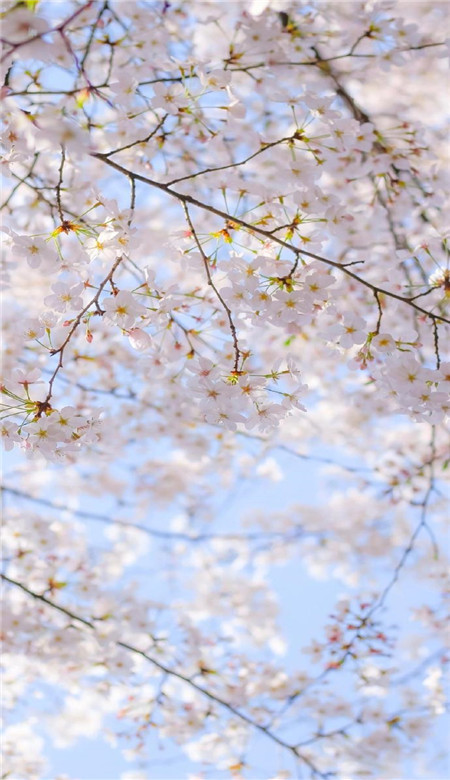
298 251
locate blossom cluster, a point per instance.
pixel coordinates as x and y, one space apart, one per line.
226 345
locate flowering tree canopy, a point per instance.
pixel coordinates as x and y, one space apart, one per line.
226 271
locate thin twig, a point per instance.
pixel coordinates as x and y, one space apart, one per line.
237 353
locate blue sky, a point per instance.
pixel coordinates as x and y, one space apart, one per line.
304 607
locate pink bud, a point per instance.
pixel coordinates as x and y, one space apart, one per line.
139 339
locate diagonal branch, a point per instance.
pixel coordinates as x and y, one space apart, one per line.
179 676
298 251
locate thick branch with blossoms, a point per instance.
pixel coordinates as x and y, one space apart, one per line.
225 321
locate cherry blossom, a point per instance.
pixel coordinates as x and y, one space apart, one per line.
32 249
225 387
65 297
123 309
